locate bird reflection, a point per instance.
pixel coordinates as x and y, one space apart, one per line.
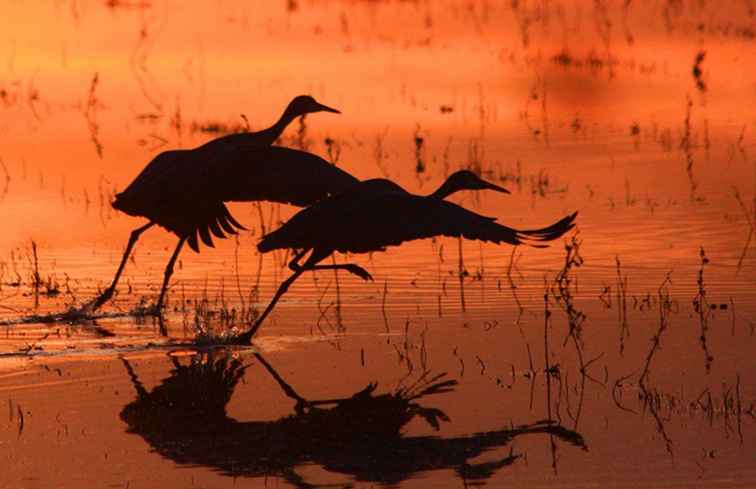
184 419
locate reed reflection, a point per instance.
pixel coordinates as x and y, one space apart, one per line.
184 419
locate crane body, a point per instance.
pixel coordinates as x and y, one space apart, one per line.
184 191
375 214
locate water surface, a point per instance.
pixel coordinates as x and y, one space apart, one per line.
638 115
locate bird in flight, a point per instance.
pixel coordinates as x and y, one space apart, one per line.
184 191
375 214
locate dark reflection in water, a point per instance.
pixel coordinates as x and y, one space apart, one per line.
184 419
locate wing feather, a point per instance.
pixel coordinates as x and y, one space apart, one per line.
223 221
229 218
205 235
250 173
389 220
362 221
192 241
215 228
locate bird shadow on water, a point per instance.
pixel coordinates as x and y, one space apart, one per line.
184 419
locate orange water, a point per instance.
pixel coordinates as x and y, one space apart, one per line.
571 105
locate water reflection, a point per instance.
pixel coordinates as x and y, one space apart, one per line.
184 419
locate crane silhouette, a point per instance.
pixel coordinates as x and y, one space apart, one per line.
363 437
184 190
300 105
378 213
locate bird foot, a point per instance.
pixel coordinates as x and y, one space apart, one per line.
95 304
244 338
303 407
359 271
155 310
87 308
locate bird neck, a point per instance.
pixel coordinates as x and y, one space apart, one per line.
445 190
278 128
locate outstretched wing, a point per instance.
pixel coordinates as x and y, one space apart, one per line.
251 172
371 221
153 187
175 180
184 190
389 220
168 191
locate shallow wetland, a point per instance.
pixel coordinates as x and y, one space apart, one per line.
620 356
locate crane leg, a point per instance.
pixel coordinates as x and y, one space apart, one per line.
303 405
105 296
138 386
318 255
288 390
349 267
310 264
294 263
246 337
168 273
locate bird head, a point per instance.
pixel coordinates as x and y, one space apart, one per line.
305 104
467 180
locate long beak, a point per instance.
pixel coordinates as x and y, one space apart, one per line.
491 186
325 108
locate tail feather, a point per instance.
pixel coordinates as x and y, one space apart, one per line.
205 236
215 229
231 219
192 241
549 233
215 221
226 225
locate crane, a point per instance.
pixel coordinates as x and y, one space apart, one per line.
375 214
184 191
